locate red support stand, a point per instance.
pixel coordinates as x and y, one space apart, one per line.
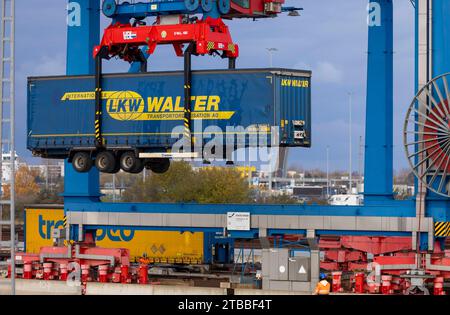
438 286
359 282
116 275
103 273
373 286
143 274
48 271
337 281
386 287
63 272
124 274
85 273
28 271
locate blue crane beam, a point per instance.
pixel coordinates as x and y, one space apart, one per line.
125 11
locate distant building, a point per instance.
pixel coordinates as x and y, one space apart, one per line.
50 170
404 190
308 191
6 166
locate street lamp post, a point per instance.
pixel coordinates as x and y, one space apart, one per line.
271 51
328 171
350 94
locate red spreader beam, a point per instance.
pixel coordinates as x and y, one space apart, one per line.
209 36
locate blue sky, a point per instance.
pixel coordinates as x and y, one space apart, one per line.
329 38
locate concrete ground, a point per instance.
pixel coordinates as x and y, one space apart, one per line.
41 287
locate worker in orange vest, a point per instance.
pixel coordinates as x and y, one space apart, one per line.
323 287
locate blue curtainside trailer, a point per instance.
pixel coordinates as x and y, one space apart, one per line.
143 113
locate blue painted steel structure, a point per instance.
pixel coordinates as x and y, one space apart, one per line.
81 191
83 33
440 57
124 12
378 169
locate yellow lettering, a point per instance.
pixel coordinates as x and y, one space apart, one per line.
154 104
168 105
200 103
213 103
295 83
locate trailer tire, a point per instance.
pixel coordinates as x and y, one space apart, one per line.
139 167
116 169
106 162
160 166
130 163
82 162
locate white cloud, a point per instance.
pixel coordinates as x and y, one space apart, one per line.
327 72
323 71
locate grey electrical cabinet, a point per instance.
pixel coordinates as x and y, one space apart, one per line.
299 269
275 264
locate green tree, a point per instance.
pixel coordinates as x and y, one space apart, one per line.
176 185
26 189
222 185
52 194
277 199
181 183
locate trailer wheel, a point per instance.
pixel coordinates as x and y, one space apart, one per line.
82 162
116 169
106 162
130 163
139 167
159 166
